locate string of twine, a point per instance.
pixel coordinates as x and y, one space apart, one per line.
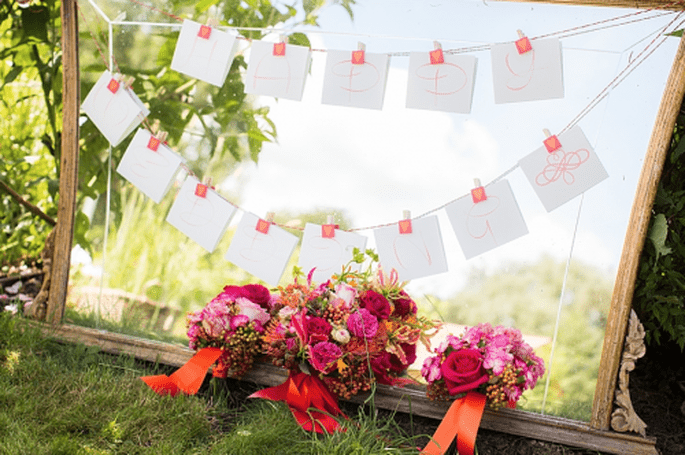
642 56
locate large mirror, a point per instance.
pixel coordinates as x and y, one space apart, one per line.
365 167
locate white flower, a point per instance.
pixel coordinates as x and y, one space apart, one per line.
340 335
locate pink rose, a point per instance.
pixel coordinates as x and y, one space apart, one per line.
463 371
376 303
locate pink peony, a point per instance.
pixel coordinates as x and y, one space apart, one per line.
362 324
323 355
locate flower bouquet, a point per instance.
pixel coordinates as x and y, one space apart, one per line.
356 329
227 331
233 321
485 365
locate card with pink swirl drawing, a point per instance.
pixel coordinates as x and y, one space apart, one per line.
561 175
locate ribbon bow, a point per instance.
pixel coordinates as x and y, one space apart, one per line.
462 420
186 379
306 396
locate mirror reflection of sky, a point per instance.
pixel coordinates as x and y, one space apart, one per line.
375 164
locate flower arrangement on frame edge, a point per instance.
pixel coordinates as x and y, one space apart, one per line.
485 365
341 337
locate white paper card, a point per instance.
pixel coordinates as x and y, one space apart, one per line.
203 219
446 86
414 255
115 114
281 76
483 226
562 175
327 255
151 171
208 59
534 75
263 255
355 85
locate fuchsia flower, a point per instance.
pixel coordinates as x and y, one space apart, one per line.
404 305
362 324
323 355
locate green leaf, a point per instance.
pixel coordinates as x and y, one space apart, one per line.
658 234
204 5
12 75
35 23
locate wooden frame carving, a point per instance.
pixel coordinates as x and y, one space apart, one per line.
596 435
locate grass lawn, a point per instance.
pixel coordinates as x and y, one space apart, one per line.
72 400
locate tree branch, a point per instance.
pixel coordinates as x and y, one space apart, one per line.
32 208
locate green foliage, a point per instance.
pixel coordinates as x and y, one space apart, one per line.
660 286
213 127
30 100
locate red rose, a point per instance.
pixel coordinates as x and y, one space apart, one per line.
318 329
404 305
375 303
463 371
381 365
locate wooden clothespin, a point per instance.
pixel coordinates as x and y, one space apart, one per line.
328 229
279 47
263 224
551 142
478 192
405 222
358 55
436 55
523 43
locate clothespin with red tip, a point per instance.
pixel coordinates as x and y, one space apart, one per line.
523 43
279 48
206 30
552 143
478 192
358 55
263 224
114 84
201 188
436 55
157 137
405 223
328 229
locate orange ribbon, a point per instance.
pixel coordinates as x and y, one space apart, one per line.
303 392
186 379
462 420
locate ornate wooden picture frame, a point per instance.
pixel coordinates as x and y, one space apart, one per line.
613 420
